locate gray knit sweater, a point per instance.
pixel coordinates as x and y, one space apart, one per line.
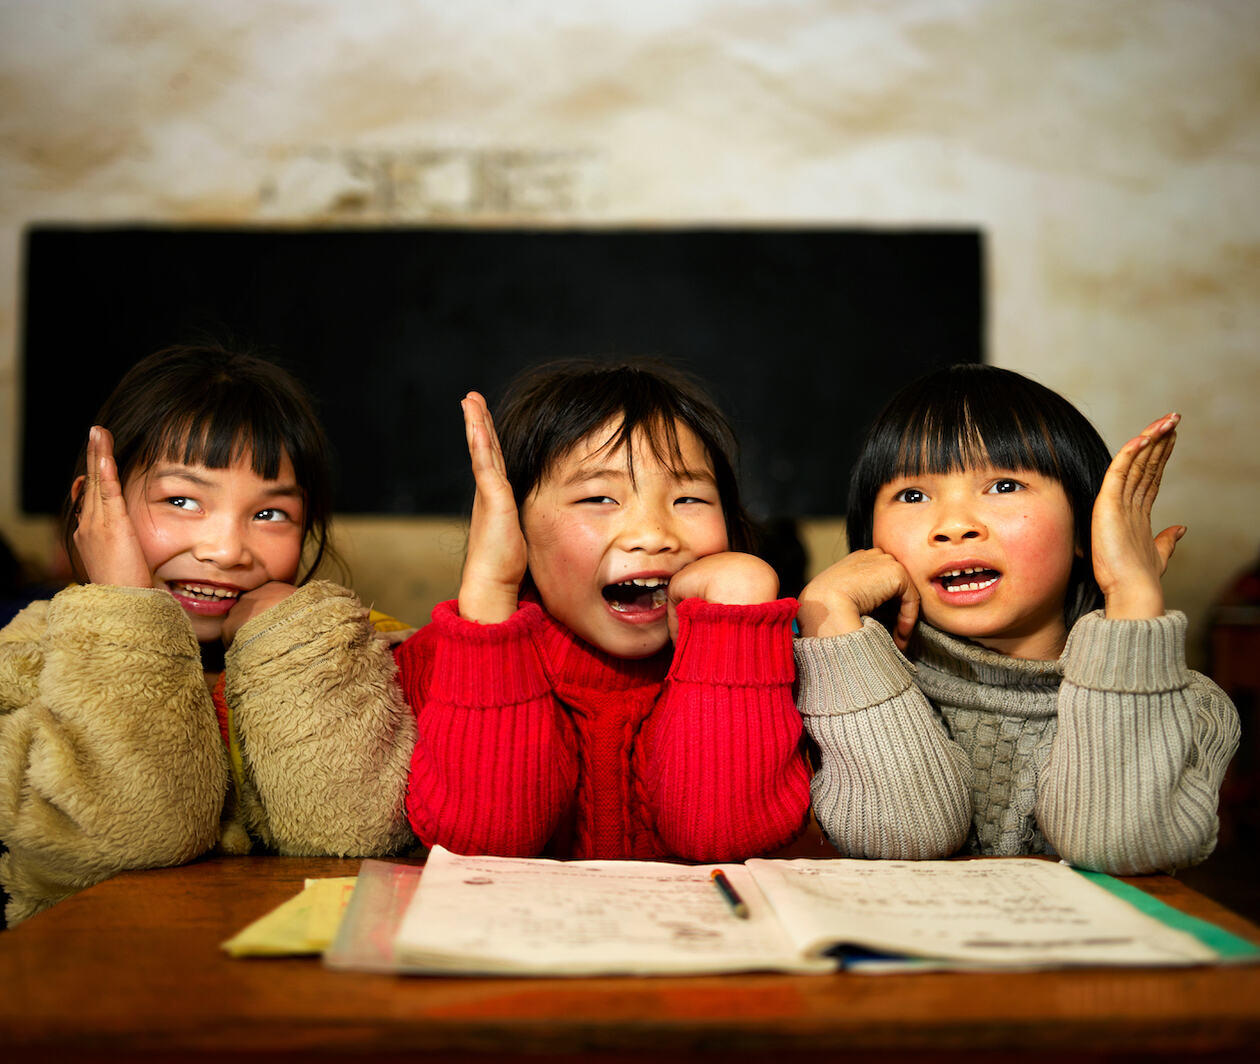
1111 757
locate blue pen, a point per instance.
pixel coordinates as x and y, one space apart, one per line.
738 906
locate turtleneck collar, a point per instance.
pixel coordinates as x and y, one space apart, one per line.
970 662
571 661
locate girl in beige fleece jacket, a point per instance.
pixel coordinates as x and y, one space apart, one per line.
195 690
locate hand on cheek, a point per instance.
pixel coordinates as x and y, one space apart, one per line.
834 602
730 578
105 536
251 604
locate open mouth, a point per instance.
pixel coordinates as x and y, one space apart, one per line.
969 579
640 595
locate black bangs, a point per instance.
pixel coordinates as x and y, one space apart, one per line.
550 409
950 430
970 416
227 427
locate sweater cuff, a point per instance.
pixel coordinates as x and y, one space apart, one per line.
1143 657
747 646
270 633
851 672
143 617
487 664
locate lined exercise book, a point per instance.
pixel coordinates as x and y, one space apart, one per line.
534 916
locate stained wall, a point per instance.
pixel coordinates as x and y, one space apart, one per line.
1109 152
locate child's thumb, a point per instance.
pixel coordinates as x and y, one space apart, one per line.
1166 542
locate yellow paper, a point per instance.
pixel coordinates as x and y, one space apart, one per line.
304 924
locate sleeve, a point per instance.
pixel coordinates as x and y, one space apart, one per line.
495 764
721 757
325 736
891 783
1140 752
110 755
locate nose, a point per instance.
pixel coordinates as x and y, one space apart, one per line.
224 544
645 528
956 522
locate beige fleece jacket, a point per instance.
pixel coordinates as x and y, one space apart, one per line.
111 756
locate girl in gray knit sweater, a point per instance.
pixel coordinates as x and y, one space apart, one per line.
1006 713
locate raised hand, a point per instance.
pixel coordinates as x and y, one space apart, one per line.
834 602
105 536
729 577
1128 561
496 561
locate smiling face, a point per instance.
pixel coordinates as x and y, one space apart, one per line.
990 553
211 535
603 546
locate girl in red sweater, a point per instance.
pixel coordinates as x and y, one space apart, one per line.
615 679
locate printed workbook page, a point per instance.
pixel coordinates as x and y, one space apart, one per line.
536 916
1008 912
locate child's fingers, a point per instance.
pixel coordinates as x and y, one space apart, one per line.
907 615
1152 471
1139 463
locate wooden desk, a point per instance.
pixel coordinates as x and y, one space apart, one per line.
132 970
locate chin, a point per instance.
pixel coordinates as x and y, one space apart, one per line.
631 646
207 632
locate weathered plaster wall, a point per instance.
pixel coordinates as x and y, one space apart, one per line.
1109 151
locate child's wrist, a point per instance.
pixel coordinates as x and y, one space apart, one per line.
487 605
1134 604
819 620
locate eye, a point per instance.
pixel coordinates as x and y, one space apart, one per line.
910 495
1004 487
597 500
272 514
182 502
689 499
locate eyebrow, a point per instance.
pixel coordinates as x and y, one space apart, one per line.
581 476
287 490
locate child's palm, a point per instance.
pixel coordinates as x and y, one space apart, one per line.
105 536
1128 560
496 561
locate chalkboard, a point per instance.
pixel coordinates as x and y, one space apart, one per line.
801 334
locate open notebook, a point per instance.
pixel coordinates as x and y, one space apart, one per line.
533 916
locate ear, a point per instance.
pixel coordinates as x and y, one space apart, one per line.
76 489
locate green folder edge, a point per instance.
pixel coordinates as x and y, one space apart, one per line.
1226 943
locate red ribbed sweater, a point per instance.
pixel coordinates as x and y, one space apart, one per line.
532 741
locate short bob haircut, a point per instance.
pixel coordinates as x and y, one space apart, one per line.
550 409
972 415
208 405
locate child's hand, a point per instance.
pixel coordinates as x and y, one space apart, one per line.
835 600
495 564
1128 562
251 604
730 578
105 537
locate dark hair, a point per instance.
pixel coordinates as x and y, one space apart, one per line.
970 415
209 405
551 408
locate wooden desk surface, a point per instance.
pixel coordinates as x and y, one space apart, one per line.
132 969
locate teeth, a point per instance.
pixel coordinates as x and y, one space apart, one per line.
963 572
206 591
951 588
648 581
660 595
